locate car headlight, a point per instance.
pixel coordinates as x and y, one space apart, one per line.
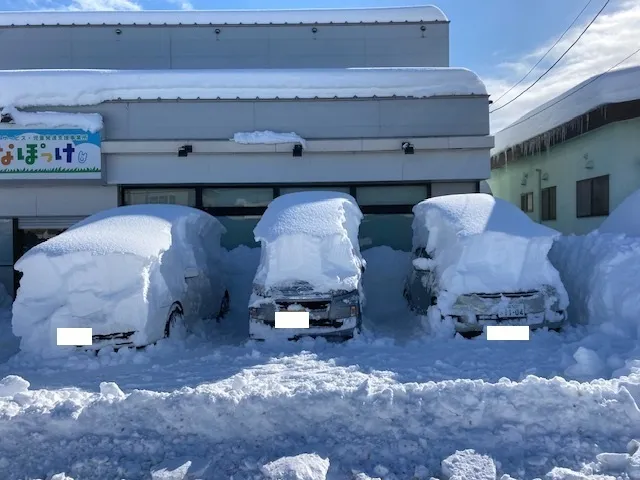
265 313
345 306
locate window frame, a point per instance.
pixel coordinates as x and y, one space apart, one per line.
591 211
548 213
524 202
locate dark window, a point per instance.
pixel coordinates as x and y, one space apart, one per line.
549 203
526 202
592 197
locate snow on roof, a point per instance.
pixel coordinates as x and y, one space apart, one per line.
268 137
612 87
91 122
424 13
141 230
477 213
26 88
624 219
314 213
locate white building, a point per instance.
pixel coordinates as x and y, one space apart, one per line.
571 161
159 125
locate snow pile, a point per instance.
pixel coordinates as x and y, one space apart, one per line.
481 244
279 409
301 467
468 465
268 137
310 237
28 88
91 122
117 271
624 220
616 86
600 272
421 13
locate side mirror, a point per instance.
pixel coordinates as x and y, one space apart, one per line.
191 272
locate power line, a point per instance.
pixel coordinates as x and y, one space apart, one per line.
556 62
547 53
573 92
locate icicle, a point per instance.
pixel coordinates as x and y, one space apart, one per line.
587 121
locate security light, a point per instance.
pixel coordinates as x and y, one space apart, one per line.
6 118
408 148
185 150
297 150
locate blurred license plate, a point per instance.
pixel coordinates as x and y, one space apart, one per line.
512 311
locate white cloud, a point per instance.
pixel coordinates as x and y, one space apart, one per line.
611 38
183 4
102 5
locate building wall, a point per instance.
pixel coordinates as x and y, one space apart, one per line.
613 150
319 119
471 164
186 47
57 200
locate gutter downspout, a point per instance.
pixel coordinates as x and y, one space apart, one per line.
539 170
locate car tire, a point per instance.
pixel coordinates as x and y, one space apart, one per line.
175 320
224 305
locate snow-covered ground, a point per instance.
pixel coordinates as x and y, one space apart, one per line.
393 404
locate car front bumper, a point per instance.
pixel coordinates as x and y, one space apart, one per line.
553 320
340 329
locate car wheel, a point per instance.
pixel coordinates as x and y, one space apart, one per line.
175 321
224 305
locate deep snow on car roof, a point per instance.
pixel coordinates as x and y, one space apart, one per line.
142 230
315 213
475 214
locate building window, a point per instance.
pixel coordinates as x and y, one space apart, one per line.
327 188
391 194
549 203
526 202
175 196
592 197
236 197
452 188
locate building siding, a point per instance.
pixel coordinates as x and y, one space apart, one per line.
312 119
612 150
187 47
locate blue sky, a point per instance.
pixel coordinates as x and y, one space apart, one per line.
498 39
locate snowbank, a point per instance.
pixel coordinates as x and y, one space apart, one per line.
422 13
600 272
117 271
268 137
342 414
482 244
310 237
26 88
91 122
612 87
625 219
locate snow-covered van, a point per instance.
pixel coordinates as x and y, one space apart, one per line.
132 274
310 262
478 261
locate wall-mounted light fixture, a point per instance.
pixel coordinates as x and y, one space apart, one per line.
525 176
545 176
6 118
118 31
314 29
185 150
408 148
297 150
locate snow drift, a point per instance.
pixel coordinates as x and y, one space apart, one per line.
91 122
600 272
624 220
310 237
116 271
482 244
26 88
